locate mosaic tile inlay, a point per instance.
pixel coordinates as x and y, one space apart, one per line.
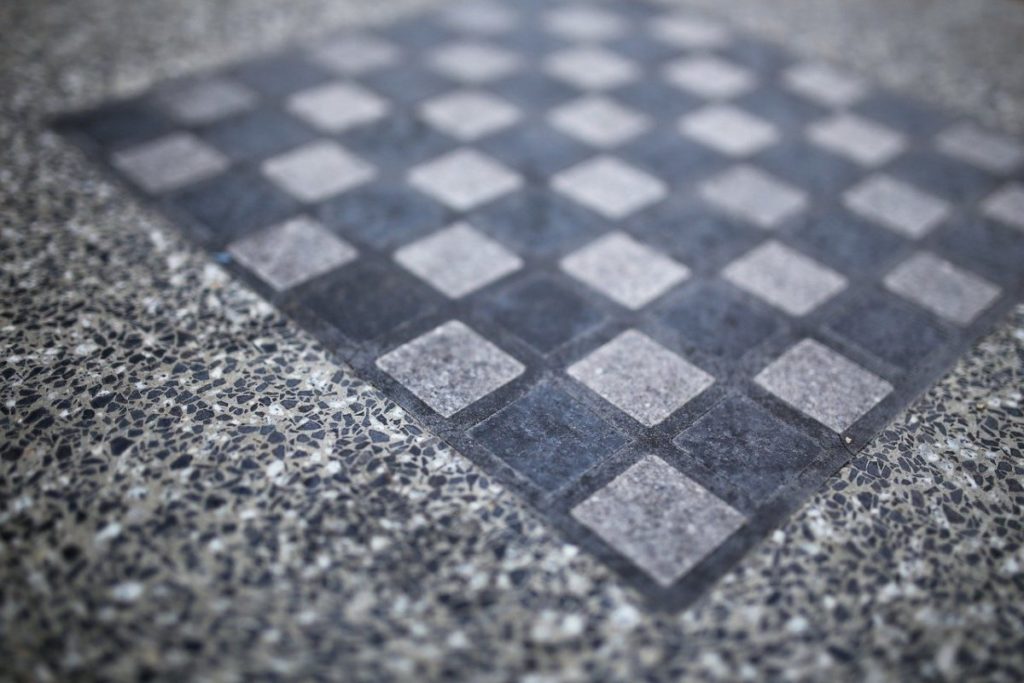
660 278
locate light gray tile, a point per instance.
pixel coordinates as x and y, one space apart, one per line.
317 171
823 384
662 521
598 121
458 260
710 77
1006 205
591 68
609 186
335 107
584 23
474 62
469 114
865 142
355 54
896 205
825 84
729 130
785 278
464 179
206 100
624 270
641 377
942 288
170 162
985 149
688 32
483 17
292 252
450 367
754 195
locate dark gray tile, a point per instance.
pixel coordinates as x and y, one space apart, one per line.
281 75
994 249
544 313
397 142
122 123
790 112
258 134
536 149
679 160
806 165
901 113
942 176
383 214
848 243
237 203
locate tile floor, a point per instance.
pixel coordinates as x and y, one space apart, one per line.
659 290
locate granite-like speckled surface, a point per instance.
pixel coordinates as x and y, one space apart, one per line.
191 489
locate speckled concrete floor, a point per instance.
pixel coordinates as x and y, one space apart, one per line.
192 489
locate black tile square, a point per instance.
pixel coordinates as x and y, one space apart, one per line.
748 451
848 243
281 75
121 124
258 134
549 437
544 313
757 55
656 98
539 222
992 249
902 114
383 215
397 142
366 300
810 167
717 319
535 150
417 35
943 176
406 84
787 110
640 48
893 331
238 202
679 161
532 92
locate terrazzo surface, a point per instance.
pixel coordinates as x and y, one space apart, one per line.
179 504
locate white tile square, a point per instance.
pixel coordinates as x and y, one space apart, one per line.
458 260
825 84
609 186
785 278
937 285
710 77
865 142
482 18
169 162
354 54
1006 205
823 385
591 68
293 252
598 121
754 195
584 23
202 101
689 32
624 270
729 130
336 107
464 179
641 377
468 115
993 152
317 171
474 62
896 205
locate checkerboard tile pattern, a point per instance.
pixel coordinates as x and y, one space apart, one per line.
658 286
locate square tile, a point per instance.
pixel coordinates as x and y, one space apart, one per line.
895 332
717 319
382 215
912 118
538 222
598 121
584 23
1006 205
822 173
609 186
290 253
464 179
408 84
534 91
896 205
681 159
202 101
396 142
545 313
848 243
481 17
236 203
257 134
785 278
823 385
548 437
536 150
750 451
641 377
709 77
450 367
458 260
993 152
121 124
169 162
754 195
335 107
869 144
318 170
941 175
789 112
729 130
354 54
591 68
468 115
281 75
474 62
937 285
825 84
688 32
661 521
624 270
